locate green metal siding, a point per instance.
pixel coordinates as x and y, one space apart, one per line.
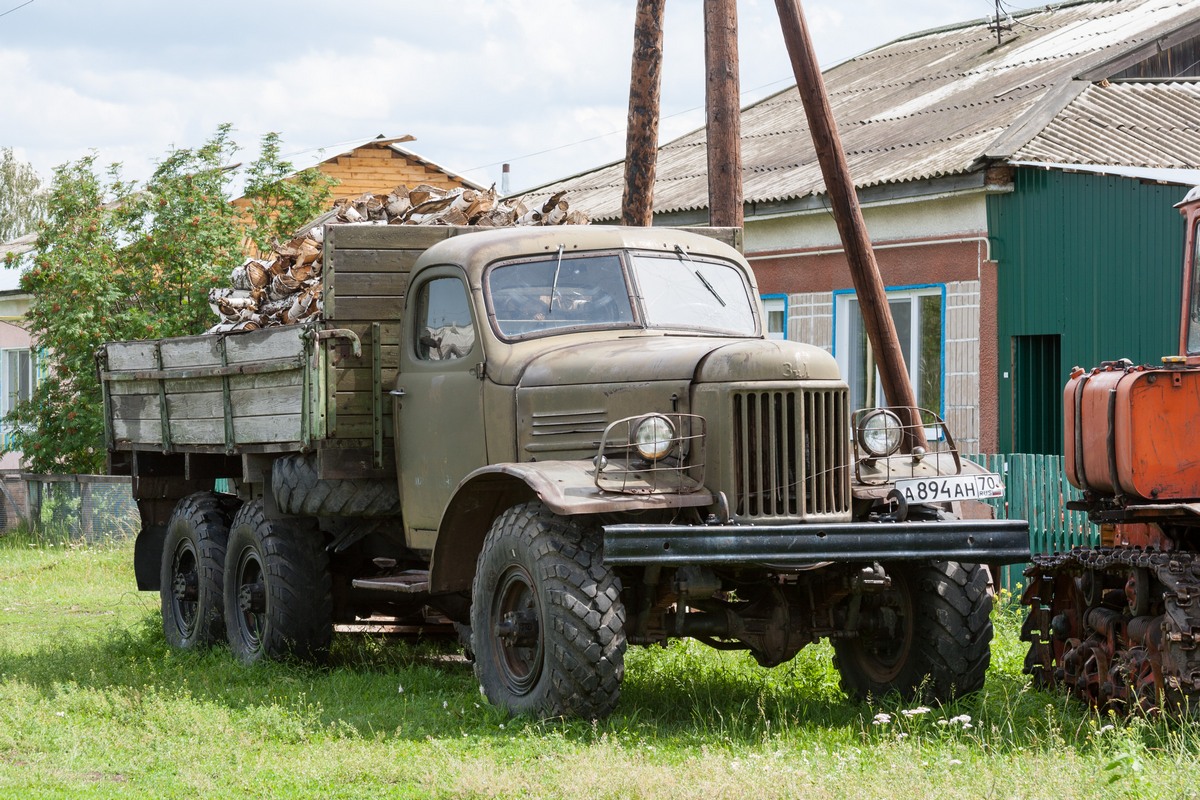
1092 258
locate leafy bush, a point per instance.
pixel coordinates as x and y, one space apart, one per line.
118 261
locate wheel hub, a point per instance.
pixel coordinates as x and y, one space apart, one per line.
252 598
518 629
184 587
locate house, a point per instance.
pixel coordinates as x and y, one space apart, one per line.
376 165
17 372
1017 181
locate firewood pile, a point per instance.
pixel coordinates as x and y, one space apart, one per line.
285 288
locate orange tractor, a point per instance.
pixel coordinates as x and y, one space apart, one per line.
1119 624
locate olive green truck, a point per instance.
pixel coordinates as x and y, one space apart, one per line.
566 439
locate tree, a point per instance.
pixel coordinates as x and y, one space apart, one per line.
21 199
115 261
280 201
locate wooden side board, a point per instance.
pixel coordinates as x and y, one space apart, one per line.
237 389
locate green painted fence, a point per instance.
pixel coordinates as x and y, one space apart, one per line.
1036 489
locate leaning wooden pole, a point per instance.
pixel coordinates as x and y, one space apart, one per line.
641 138
864 271
724 116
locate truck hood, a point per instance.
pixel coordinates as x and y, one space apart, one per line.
670 358
766 360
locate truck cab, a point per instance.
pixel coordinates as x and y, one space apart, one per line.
541 361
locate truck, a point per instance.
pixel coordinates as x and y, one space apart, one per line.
1116 625
565 440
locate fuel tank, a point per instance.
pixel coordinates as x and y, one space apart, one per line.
1134 431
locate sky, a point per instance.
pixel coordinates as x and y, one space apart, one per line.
540 84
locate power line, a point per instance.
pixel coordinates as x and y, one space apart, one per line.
615 132
16 8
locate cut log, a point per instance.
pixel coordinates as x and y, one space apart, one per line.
286 287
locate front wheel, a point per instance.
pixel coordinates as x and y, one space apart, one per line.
278 596
547 619
928 637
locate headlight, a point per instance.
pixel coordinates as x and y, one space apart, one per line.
880 433
654 437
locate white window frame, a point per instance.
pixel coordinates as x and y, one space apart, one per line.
8 394
841 340
775 303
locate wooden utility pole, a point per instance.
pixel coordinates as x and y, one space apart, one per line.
723 114
641 138
877 319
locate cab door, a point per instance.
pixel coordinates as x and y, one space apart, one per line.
437 401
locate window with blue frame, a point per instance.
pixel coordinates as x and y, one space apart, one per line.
776 310
919 315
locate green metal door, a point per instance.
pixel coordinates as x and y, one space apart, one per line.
1037 394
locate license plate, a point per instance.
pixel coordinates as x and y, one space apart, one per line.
944 490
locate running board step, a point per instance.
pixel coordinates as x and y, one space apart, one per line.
413 581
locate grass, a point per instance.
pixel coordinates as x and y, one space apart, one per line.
93 704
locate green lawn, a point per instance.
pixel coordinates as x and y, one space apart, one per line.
93 704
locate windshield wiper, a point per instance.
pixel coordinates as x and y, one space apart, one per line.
554 283
703 279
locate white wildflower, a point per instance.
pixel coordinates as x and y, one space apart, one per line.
401 688
916 712
882 718
954 762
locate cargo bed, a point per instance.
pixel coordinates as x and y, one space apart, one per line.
296 388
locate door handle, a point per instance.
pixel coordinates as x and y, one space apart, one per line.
396 393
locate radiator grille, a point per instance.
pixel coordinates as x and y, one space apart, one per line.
792 453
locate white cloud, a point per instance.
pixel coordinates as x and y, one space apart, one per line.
477 82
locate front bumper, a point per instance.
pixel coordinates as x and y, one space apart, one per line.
991 541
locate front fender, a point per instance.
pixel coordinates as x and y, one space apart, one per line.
567 488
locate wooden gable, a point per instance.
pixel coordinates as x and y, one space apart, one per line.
377 167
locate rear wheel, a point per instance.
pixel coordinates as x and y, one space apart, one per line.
193 563
547 618
927 638
278 599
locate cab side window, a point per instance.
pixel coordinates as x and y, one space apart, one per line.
444 330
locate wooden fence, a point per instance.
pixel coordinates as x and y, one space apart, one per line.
1036 489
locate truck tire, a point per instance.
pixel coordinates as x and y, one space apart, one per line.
193 561
931 639
547 619
278 590
298 490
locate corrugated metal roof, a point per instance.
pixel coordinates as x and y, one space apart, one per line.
1125 124
922 107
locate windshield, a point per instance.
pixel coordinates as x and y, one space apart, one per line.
566 291
679 292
